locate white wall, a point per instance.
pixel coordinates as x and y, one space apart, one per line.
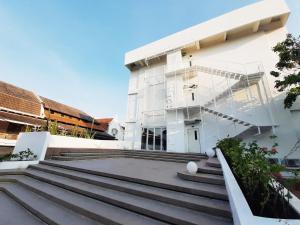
56 141
115 124
175 131
7 142
37 142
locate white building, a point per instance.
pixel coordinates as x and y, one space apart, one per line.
192 88
116 129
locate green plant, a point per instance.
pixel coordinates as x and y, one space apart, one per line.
74 131
53 128
288 66
249 163
25 155
5 157
28 129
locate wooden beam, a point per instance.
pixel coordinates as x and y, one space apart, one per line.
198 45
255 26
225 36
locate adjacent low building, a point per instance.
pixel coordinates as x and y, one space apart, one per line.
113 127
210 81
22 110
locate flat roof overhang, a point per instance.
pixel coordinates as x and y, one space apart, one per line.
264 15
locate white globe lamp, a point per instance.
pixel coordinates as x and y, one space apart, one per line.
192 167
210 153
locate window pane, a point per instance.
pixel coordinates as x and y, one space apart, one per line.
157 138
144 138
150 138
164 140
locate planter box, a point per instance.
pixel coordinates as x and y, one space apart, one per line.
16 164
241 212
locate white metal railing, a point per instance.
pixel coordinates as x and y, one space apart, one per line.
225 81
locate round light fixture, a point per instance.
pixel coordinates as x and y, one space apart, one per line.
210 153
192 167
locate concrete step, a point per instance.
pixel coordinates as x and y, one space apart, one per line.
203 168
47 210
165 158
213 162
200 203
155 209
79 154
137 153
13 213
166 153
162 152
201 189
114 151
83 157
202 178
89 207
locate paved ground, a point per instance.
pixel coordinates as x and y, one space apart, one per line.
138 168
148 170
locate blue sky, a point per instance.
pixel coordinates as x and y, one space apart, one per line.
73 51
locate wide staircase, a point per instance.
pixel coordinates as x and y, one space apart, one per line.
55 192
85 154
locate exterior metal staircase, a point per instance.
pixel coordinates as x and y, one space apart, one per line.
243 81
249 126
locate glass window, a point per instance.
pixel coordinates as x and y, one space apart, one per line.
157 140
154 139
144 138
150 138
164 139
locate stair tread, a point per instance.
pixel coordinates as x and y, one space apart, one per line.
204 175
213 162
12 213
173 183
112 213
52 210
203 167
139 204
169 159
131 154
159 193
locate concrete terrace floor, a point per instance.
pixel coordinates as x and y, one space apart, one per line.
142 169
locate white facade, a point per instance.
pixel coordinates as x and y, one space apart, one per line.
116 129
190 89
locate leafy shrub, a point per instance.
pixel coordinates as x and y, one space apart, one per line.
26 155
254 172
55 128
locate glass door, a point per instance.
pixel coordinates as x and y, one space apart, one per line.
154 139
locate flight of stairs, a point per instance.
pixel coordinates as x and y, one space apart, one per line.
139 154
242 81
209 171
56 193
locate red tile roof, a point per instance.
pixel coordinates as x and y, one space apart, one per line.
104 122
18 99
65 109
